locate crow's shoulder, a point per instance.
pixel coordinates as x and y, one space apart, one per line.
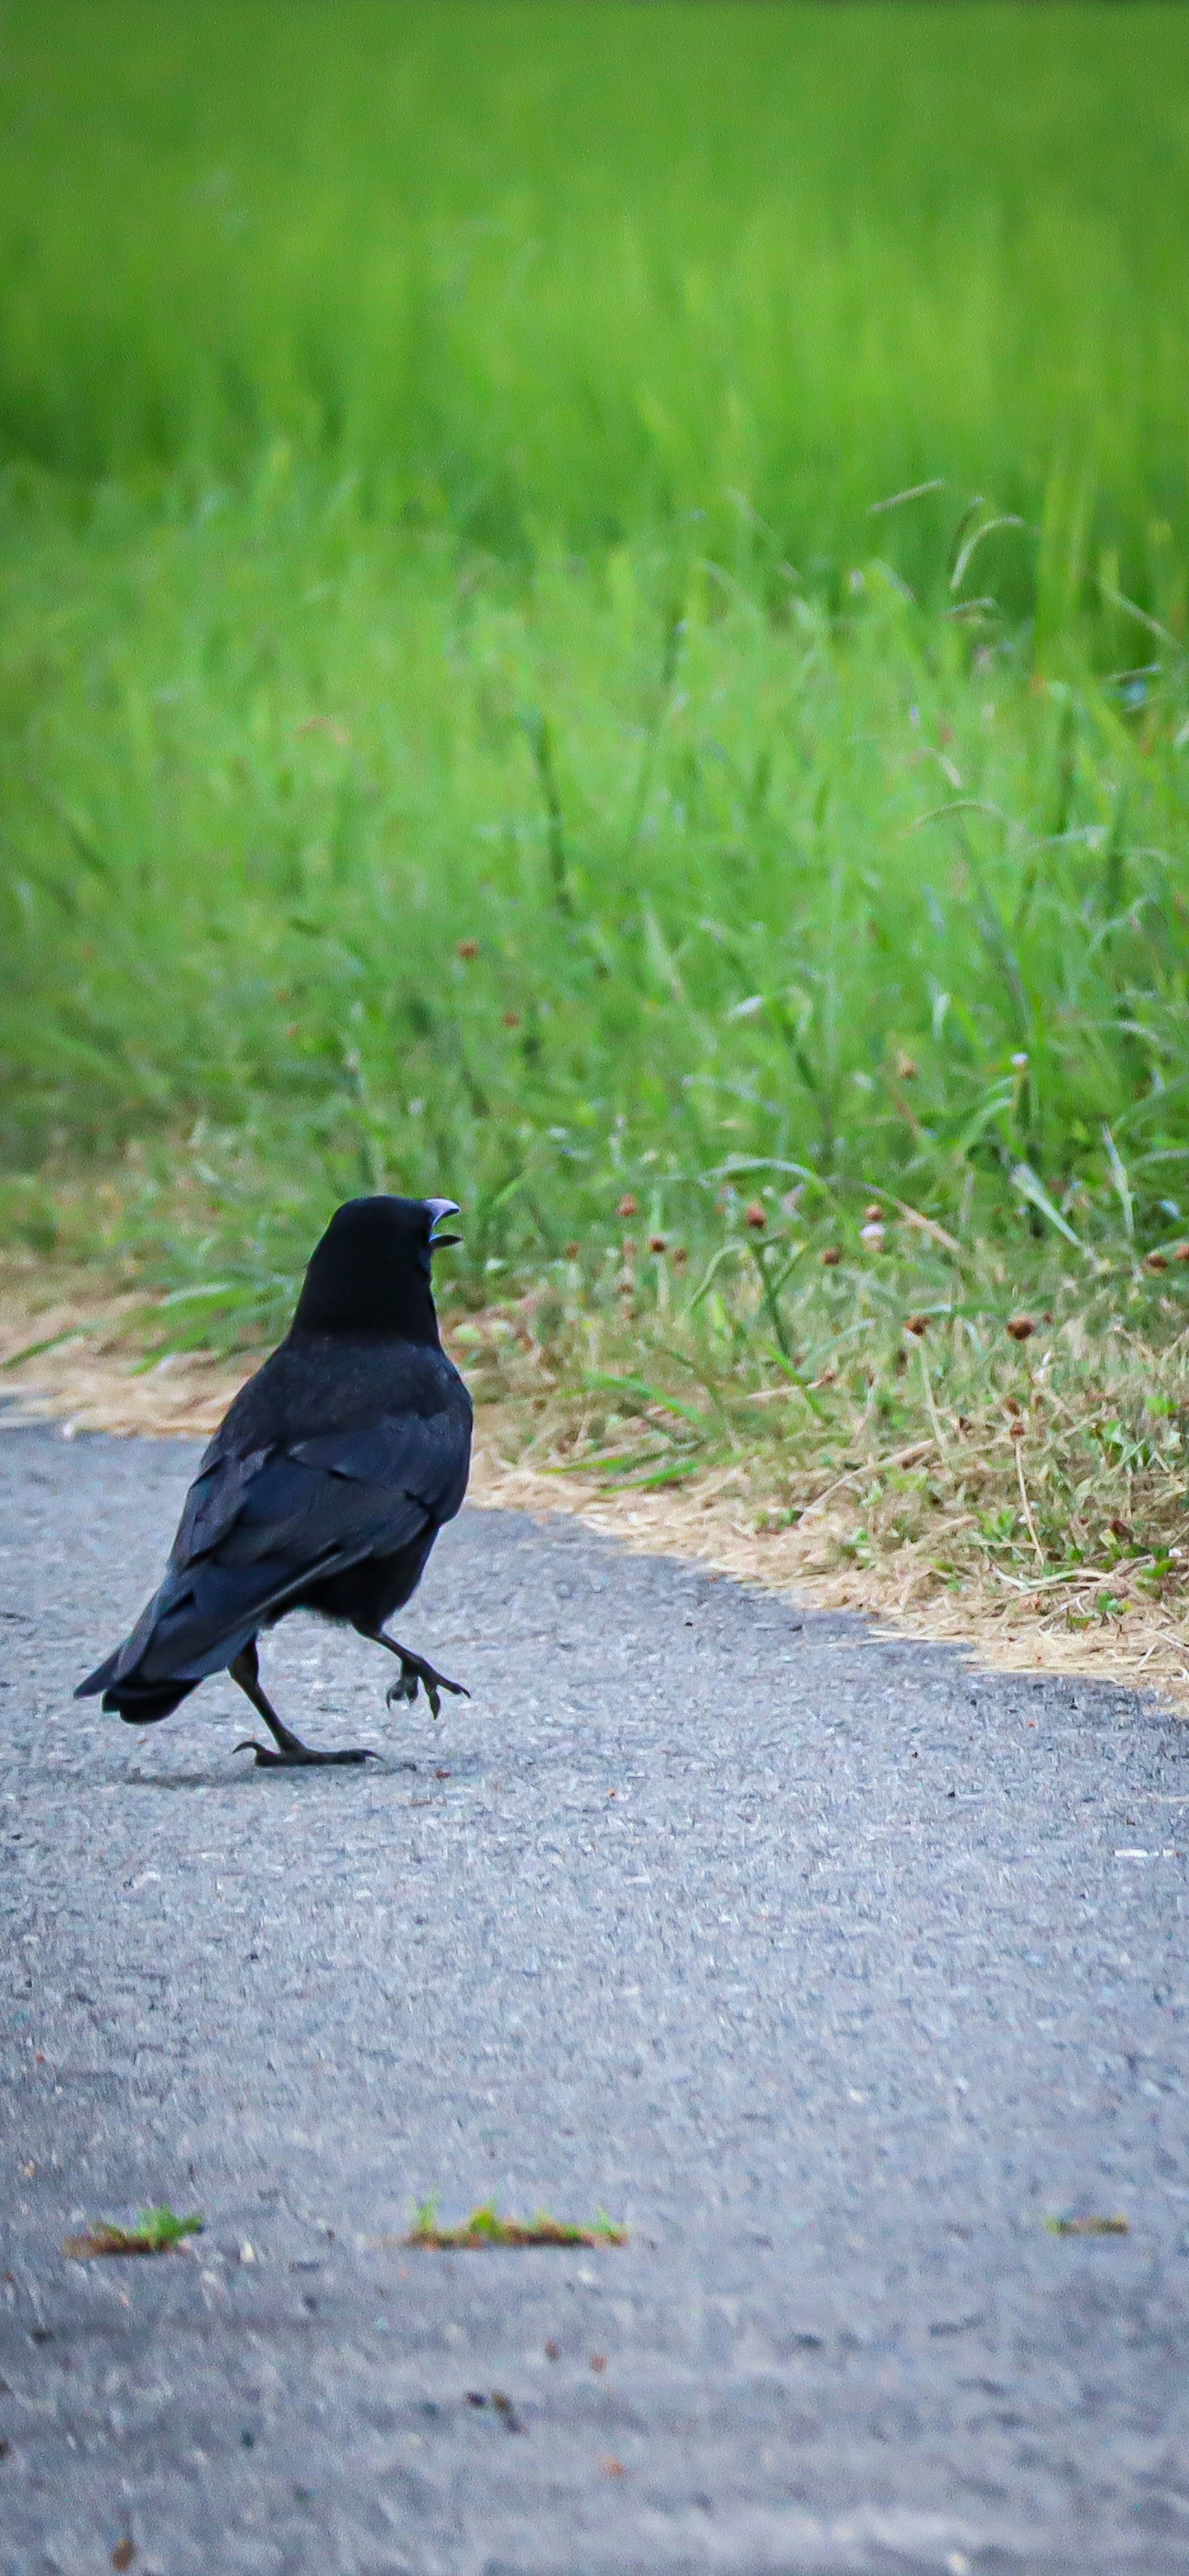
394 1418
322 1385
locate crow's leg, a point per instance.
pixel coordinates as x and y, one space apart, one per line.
246 1671
414 1669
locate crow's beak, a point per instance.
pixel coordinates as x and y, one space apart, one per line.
438 1208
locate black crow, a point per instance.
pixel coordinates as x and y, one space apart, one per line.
325 1487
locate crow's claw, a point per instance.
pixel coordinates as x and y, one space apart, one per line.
297 1756
414 1671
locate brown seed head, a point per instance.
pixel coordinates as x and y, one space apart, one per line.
627 1204
917 1324
468 948
831 1257
680 1255
572 1251
1018 1431
511 1019
873 1215
1181 1252
754 1215
657 1243
1156 1261
906 1068
1021 1327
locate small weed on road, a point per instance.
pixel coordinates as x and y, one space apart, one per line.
1087 2226
486 2227
157 2232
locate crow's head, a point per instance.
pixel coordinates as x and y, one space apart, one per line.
371 1271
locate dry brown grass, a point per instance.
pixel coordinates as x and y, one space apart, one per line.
719 1523
1040 1529
80 1351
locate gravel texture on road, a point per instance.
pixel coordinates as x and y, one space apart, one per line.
828 1966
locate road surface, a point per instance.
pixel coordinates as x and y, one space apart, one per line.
826 1964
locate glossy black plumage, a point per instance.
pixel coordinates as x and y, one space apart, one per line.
326 1484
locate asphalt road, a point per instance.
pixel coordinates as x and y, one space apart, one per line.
825 1964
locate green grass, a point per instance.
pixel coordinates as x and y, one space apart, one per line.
157 2232
913 1430
463 725
1087 2226
335 868
521 267
485 2227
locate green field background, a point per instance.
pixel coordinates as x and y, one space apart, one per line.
529 269
468 719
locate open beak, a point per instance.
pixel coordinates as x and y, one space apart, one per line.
439 1208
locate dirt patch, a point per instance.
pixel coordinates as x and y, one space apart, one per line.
75 1355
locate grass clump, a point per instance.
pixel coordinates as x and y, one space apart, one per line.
1088 2226
845 906
891 1418
156 2232
486 2227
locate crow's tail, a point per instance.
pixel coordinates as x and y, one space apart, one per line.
152 1700
138 1703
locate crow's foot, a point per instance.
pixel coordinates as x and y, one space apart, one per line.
290 1752
295 1755
415 1673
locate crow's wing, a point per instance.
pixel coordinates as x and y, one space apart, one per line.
257 1528
427 1454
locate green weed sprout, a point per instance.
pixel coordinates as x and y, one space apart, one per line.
486 2227
157 2232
